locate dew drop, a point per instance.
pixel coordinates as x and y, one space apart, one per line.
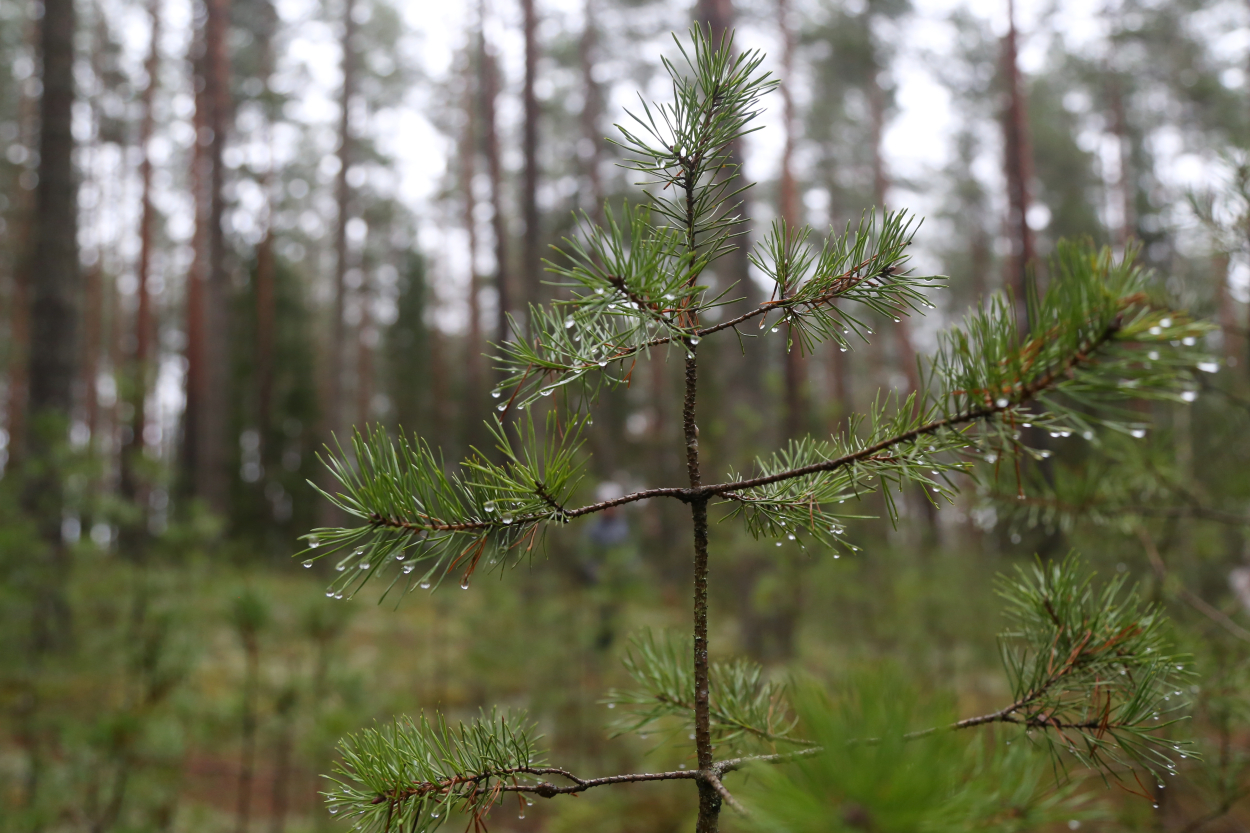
425 585
529 803
779 543
489 506
464 584
507 518
502 406
1205 367
791 536
329 594
333 810
603 364
338 595
1138 433
408 568
340 567
842 349
1165 323
1189 395
1002 402
694 340
313 543
611 705
496 393
545 392
568 323
521 814
774 329
897 320
1189 341
399 556
307 564
1154 331
1089 435
1153 355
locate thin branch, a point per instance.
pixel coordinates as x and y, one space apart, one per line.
1195 601
1042 383
726 796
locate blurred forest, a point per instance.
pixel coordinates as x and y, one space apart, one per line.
212 262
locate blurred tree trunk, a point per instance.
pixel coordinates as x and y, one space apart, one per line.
1019 171
334 408
141 360
494 166
208 374
468 172
795 372
531 268
266 277
55 288
592 110
20 259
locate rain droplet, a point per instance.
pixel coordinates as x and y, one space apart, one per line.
529 803
307 564
1002 402
333 810
521 814
502 406
489 506
1153 355
545 392
791 536
1165 323
408 568
842 349
496 393
603 364
897 320
507 518
364 565
1205 367
991 457
1189 341
464 583
1138 433
611 705
425 585
779 543
774 329
329 594
1154 331
1189 395
313 543
399 556
694 340
1089 435
568 323
338 595
340 567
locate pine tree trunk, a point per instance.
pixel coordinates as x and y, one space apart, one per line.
795 372
208 338
1019 170
494 166
468 171
592 107
55 286
141 360
531 268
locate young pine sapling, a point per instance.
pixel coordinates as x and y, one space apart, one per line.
1094 341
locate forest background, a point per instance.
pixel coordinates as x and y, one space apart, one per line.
232 229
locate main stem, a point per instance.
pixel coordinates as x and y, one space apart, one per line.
709 799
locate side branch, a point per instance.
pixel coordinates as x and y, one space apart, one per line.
1028 392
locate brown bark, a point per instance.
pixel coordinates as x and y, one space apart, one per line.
468 170
592 107
208 373
531 268
338 359
494 166
795 372
1019 170
142 359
